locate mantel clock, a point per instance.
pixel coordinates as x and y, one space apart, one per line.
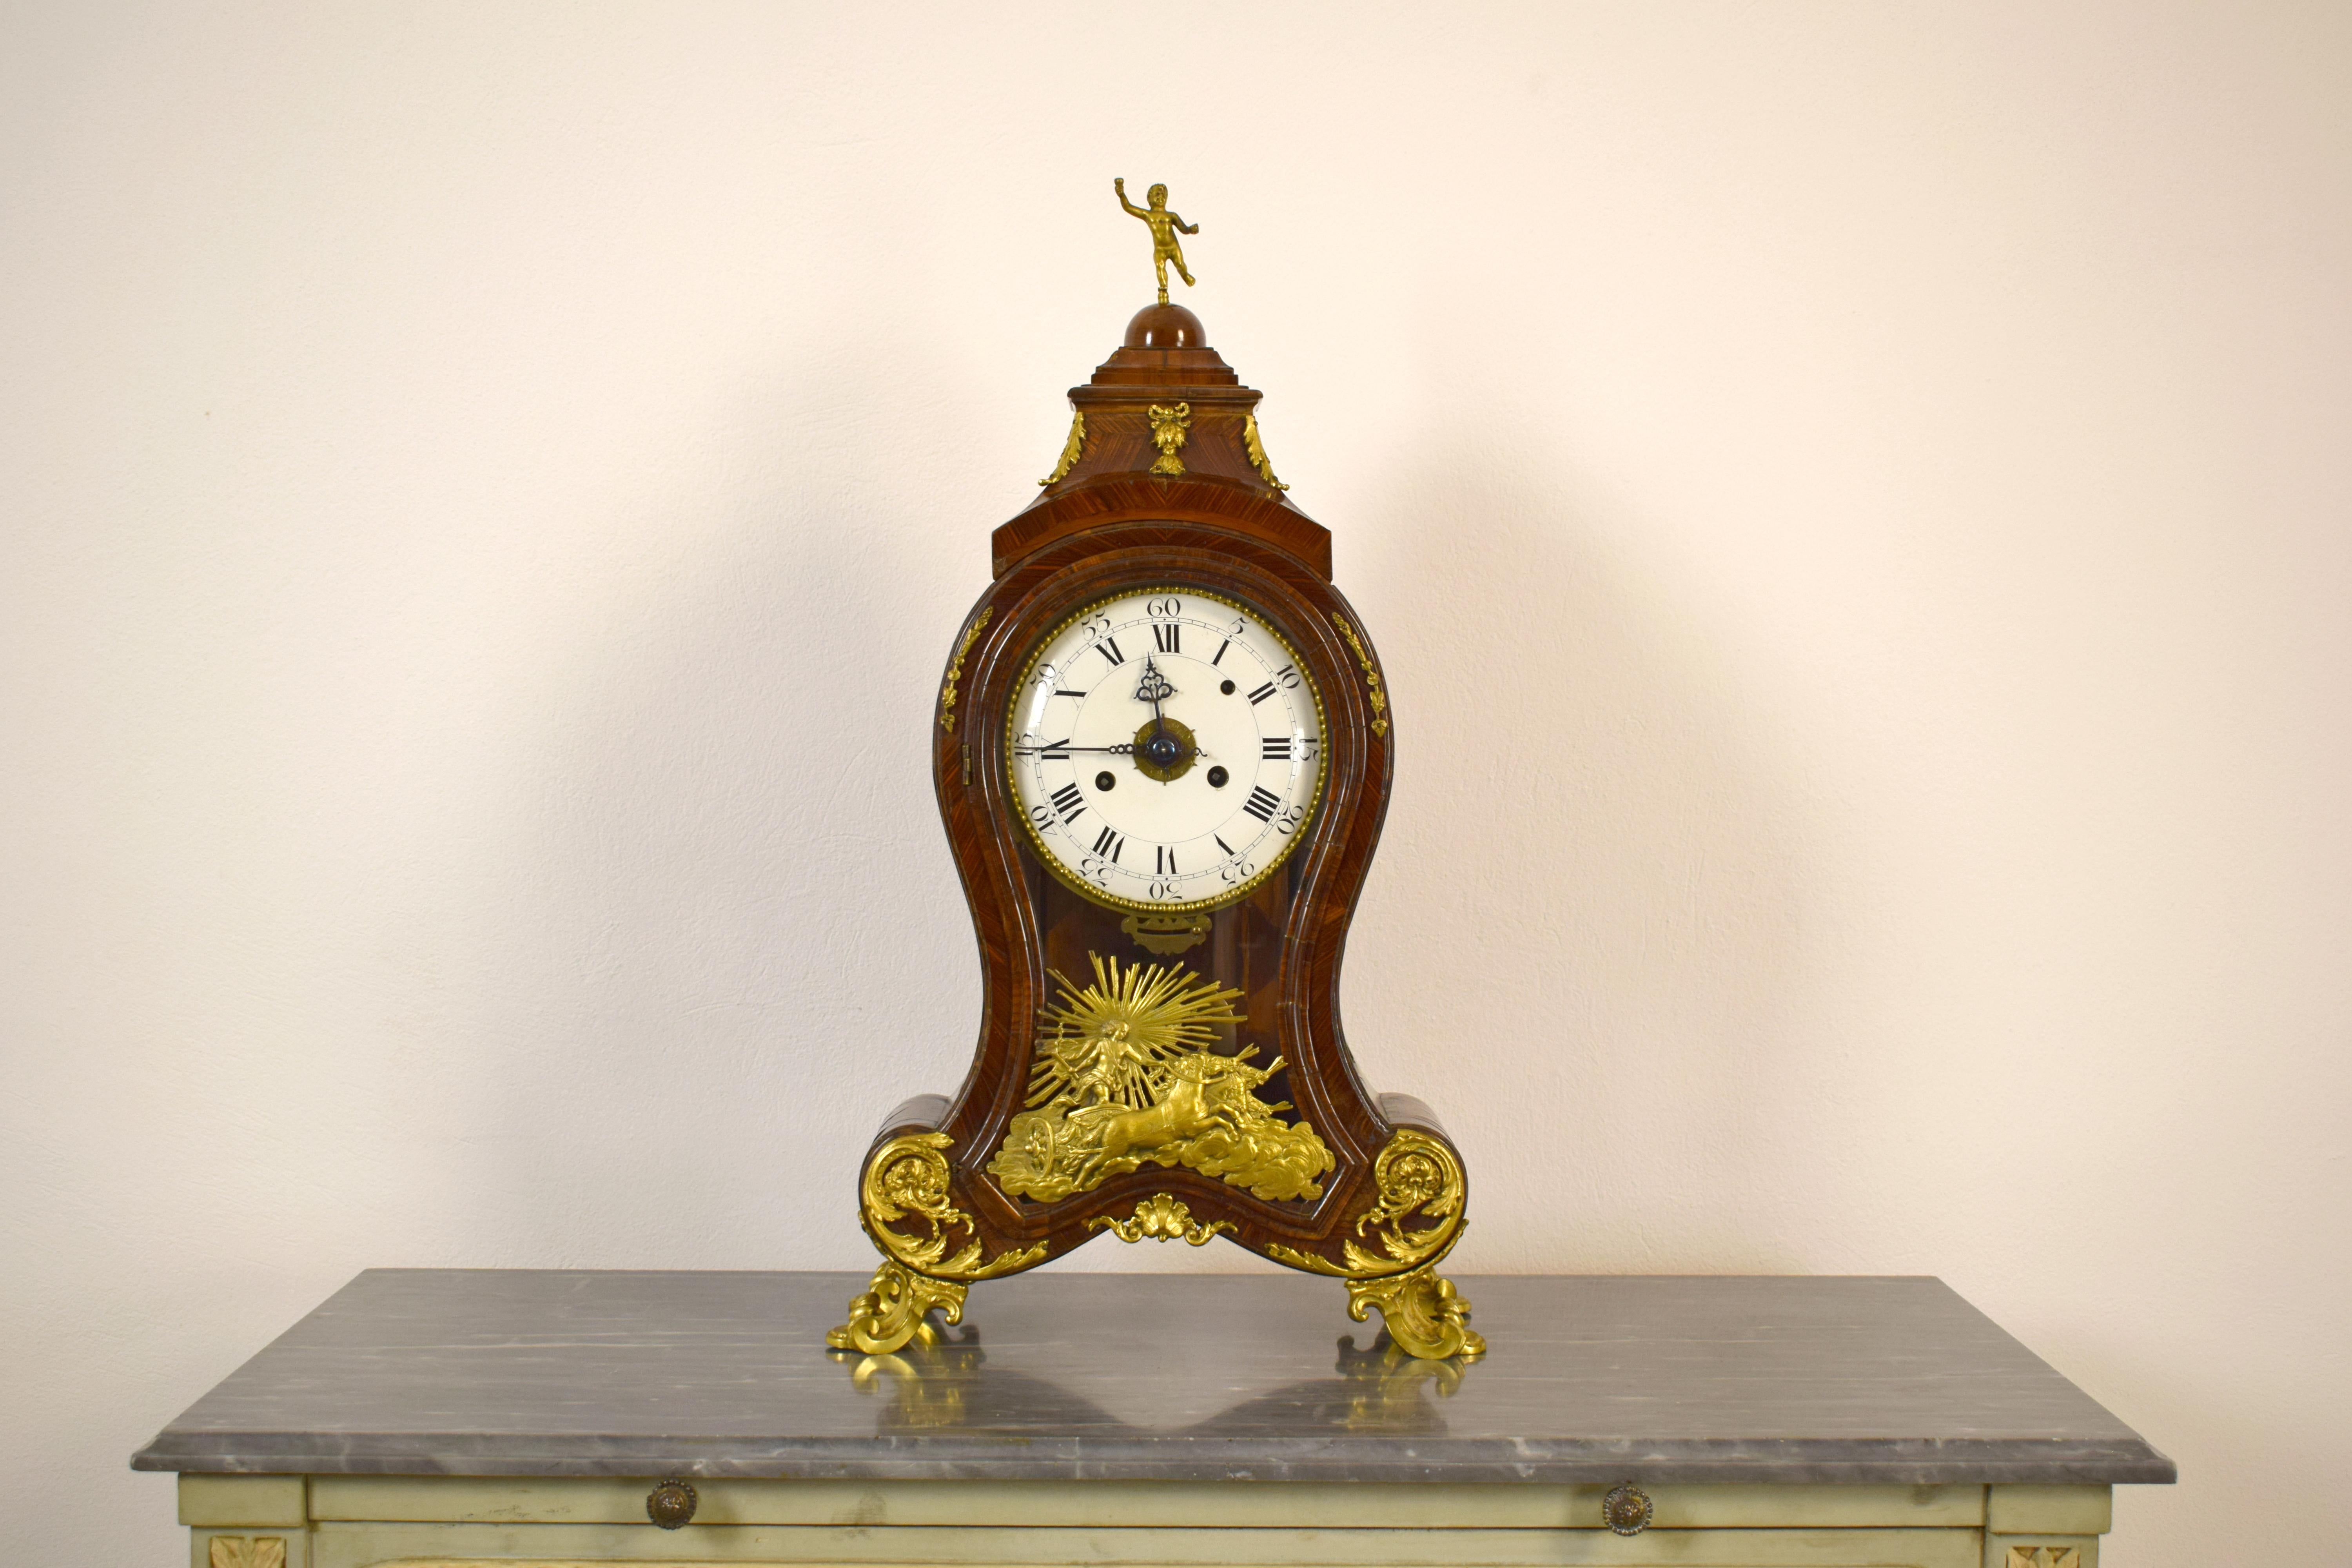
1162 754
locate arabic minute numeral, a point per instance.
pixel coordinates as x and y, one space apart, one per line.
1160 609
1288 822
1262 804
1288 678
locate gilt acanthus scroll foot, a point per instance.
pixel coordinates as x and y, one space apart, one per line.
1421 1181
894 1309
1425 1316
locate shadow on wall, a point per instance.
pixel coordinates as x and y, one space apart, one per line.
1581 940
738 938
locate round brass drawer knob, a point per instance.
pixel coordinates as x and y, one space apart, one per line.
1626 1509
671 1504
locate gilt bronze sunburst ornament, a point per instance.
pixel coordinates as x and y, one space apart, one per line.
1124 1077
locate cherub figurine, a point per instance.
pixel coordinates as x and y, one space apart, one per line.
1165 227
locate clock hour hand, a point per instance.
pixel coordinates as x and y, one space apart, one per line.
1154 688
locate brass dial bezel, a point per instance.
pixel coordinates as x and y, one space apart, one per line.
1044 851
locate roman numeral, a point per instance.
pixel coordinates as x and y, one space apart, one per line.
1069 802
1059 692
1109 843
1167 636
1275 749
1262 804
1261 694
1222 845
1163 861
1221 649
1059 751
1109 646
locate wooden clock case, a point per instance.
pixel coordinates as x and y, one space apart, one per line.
1115 518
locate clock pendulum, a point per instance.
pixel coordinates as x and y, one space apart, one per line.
1162 755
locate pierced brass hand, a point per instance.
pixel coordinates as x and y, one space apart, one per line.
1153 687
1164 749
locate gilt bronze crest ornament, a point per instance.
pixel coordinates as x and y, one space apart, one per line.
1162 756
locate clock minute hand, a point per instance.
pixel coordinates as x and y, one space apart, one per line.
1122 749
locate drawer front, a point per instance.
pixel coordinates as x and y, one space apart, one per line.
337 1545
452 1500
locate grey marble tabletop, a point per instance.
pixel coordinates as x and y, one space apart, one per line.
1153 1376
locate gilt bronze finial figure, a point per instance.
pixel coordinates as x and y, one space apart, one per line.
1165 227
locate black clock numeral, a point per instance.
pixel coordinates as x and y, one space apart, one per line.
1222 845
1109 646
1167 636
1109 843
1262 804
1221 649
1059 691
1055 751
1069 802
1261 694
1274 747
1163 861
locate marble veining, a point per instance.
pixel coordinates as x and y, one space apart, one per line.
1072 1377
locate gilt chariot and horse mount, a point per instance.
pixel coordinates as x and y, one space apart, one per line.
1162 755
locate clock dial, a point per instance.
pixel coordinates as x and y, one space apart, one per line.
1166 750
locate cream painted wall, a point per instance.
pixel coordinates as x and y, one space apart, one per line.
1853 502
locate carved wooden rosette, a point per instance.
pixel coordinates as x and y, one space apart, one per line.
1364 1188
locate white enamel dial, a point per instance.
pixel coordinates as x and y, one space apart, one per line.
1166 750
